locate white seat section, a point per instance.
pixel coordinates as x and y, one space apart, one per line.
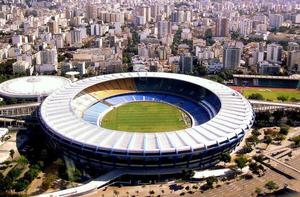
232 116
196 136
217 132
186 138
151 143
98 136
206 133
222 122
123 141
85 136
137 143
235 121
223 128
175 140
163 142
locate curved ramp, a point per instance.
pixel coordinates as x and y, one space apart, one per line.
89 187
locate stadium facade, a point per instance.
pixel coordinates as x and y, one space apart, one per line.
71 117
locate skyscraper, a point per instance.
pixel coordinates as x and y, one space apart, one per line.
53 27
293 61
186 63
275 20
222 27
274 53
145 12
76 36
164 28
245 27
231 57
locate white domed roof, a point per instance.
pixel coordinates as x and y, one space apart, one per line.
33 86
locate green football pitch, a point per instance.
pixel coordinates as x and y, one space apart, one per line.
145 117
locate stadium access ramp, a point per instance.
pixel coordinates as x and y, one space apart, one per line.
89 187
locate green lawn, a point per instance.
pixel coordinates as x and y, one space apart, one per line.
144 117
271 94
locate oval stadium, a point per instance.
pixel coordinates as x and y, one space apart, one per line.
145 120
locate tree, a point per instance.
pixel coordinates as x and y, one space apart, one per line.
225 157
246 149
282 98
258 158
76 175
255 132
14 173
268 139
32 172
22 160
256 96
210 181
258 190
284 129
6 183
278 114
252 140
279 137
241 161
199 70
255 168
49 179
271 185
187 174
296 141
294 99
20 185
12 153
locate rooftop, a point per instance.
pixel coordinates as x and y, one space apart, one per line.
32 86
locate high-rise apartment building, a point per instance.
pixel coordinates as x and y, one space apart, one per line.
293 61
274 53
231 57
222 27
164 28
275 20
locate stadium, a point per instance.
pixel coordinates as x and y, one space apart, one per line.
145 120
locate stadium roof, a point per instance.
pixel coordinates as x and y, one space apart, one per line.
32 87
234 118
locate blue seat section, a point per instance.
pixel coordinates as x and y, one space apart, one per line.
198 112
213 100
91 114
172 86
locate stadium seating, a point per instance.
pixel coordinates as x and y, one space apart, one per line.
200 103
81 102
111 88
185 89
91 114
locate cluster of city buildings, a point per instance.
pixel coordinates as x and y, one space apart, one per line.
93 37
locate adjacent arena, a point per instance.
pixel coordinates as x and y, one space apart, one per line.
72 118
32 88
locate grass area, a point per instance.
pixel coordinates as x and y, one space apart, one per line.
272 94
144 117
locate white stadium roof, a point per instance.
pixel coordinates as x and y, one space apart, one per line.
234 118
33 86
